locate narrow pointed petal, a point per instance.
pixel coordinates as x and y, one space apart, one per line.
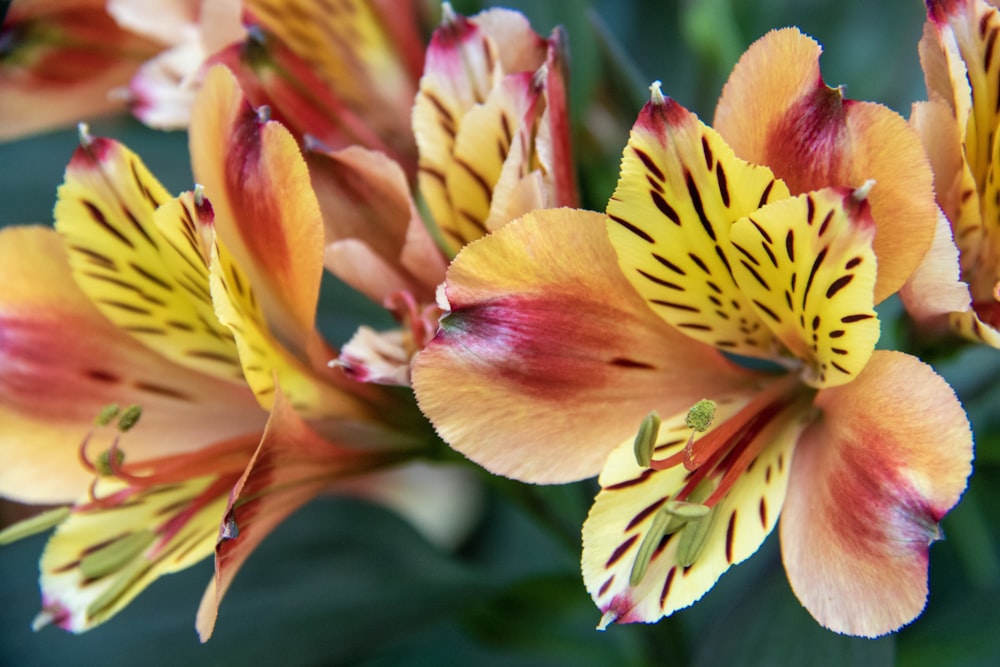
381 357
292 465
376 240
629 501
870 482
535 307
139 255
776 110
808 268
265 209
59 62
680 190
100 559
62 362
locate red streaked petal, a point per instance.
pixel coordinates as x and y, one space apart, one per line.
62 362
265 208
546 337
871 480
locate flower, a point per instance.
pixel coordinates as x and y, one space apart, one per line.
956 288
58 62
491 124
201 314
571 342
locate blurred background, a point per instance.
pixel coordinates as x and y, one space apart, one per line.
344 583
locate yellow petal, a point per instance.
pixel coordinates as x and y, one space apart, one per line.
681 188
627 505
808 268
100 559
139 255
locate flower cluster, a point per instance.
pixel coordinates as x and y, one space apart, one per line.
709 344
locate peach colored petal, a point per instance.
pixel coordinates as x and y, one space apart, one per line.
775 110
61 362
871 479
546 338
376 239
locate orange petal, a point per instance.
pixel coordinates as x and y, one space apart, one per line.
546 337
775 110
265 208
292 465
54 384
870 481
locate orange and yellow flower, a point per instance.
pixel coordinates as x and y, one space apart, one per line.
736 296
201 313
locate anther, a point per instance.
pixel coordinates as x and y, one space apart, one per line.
107 413
129 418
104 466
645 439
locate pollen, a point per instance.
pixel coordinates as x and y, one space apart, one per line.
701 415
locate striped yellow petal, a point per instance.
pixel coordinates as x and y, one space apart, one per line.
681 188
807 266
645 557
138 254
101 558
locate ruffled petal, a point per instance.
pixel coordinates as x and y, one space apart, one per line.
871 479
292 465
680 190
61 362
140 256
546 337
807 266
637 568
776 110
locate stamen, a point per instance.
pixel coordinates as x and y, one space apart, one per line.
34 525
106 414
104 466
114 556
692 541
664 523
645 439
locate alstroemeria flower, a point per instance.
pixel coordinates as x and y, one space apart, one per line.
493 131
958 286
342 74
202 315
570 342
59 60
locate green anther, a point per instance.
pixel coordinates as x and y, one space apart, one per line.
124 580
664 523
113 557
686 510
33 526
701 415
103 462
107 413
694 538
129 418
645 439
